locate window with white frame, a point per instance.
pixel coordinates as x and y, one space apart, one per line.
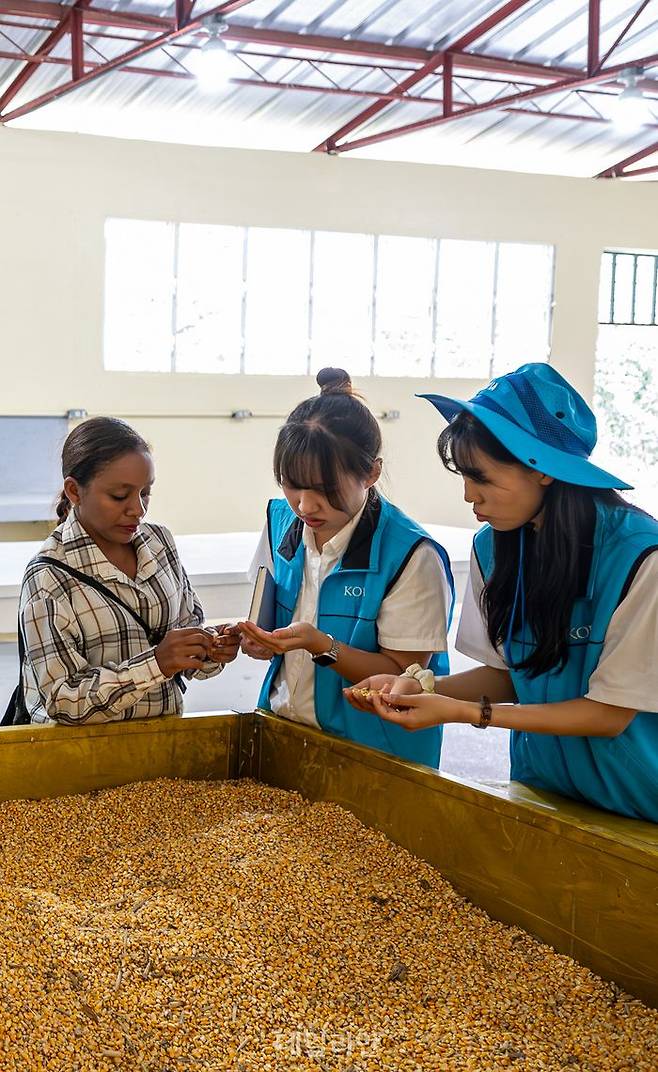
204 298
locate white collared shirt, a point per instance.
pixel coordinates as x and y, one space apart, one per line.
627 671
412 617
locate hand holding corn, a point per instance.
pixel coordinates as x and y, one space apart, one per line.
225 643
183 649
363 694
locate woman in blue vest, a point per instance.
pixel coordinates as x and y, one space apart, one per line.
360 588
562 608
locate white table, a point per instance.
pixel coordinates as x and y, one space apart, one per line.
37 507
217 565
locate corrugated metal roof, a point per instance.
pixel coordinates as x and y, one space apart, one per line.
172 108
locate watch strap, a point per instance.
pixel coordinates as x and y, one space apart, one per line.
326 658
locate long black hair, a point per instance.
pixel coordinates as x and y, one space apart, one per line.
90 447
558 554
327 436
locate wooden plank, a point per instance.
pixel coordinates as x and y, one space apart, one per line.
50 761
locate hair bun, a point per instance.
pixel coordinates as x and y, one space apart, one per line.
334 381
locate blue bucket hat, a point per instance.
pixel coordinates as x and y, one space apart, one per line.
541 419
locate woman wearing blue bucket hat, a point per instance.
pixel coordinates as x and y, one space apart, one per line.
562 606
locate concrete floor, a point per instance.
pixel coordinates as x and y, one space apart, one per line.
466 752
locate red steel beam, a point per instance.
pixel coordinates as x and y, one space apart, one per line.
568 115
492 105
77 45
619 169
160 24
55 12
374 109
90 65
447 84
305 88
102 34
43 9
114 64
521 72
428 68
248 35
316 62
331 90
640 171
593 35
258 83
284 39
309 88
500 65
32 64
490 23
183 11
25 57
393 53
624 32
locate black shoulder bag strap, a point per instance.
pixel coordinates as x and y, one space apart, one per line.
16 713
91 582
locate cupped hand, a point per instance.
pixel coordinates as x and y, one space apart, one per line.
253 649
361 695
297 636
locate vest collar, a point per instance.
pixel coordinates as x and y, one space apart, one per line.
359 550
291 540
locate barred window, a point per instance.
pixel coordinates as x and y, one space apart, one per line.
626 375
629 284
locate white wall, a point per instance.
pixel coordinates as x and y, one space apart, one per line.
214 475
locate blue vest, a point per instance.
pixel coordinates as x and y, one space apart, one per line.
349 603
617 773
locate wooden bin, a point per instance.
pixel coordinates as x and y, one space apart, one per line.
580 879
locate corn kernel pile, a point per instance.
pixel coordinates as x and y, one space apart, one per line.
180 926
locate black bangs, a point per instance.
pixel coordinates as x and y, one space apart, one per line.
325 439
305 457
463 437
456 449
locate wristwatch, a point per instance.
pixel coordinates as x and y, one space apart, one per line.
327 658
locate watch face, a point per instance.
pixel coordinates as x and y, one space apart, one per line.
324 660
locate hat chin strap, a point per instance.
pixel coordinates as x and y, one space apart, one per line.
518 592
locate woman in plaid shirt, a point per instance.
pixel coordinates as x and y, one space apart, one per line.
87 659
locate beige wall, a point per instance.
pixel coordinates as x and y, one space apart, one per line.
214 475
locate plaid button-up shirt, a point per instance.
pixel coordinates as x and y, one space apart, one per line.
88 660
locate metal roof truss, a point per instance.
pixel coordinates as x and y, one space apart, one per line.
454 82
